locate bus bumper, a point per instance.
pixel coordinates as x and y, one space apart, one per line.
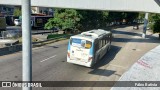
79 62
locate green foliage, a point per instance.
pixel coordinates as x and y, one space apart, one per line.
17 12
119 16
155 22
64 19
70 19
116 16
57 36
54 36
154 17
93 19
156 26
141 15
130 16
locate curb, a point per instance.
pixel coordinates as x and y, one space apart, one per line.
11 49
17 48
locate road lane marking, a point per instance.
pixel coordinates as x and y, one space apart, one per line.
48 58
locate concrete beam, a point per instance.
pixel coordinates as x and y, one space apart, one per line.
152 6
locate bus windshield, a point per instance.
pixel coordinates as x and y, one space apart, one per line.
81 43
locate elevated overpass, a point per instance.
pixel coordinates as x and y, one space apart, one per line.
151 6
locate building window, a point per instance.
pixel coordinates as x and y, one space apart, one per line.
40 11
9 9
4 9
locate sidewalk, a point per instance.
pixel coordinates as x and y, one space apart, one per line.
145 69
126 57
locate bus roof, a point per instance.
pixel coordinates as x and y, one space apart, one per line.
92 34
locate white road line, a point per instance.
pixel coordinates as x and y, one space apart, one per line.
48 58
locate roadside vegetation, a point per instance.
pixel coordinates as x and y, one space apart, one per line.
155 23
56 36
17 12
71 20
81 20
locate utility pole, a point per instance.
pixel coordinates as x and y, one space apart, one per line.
145 25
26 42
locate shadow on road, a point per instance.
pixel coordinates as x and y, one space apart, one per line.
102 72
109 56
149 39
10 50
126 33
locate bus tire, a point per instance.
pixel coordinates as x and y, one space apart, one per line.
98 58
92 64
95 61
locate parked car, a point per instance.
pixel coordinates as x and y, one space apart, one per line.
136 27
17 22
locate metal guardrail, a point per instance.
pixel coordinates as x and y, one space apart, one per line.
64 36
11 34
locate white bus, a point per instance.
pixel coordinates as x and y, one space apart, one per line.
88 47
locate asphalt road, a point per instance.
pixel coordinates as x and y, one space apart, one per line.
49 62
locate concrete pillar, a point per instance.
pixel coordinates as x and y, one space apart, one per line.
145 25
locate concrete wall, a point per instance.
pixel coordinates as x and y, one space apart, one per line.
112 5
10 49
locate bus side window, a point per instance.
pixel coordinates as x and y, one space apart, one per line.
107 38
104 42
96 46
101 43
110 37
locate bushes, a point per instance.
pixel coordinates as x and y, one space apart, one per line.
57 36
156 26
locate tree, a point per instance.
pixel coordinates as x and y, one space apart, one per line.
141 15
86 19
116 16
154 17
89 19
120 16
17 12
92 19
64 19
155 23
130 16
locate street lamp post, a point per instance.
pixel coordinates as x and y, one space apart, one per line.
26 42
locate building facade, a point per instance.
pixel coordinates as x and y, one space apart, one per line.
42 10
6 10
